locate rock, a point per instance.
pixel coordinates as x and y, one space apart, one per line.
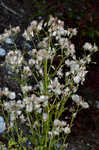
97 104
9 41
27 45
2 52
2 124
59 145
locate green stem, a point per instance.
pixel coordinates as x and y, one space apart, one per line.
47 129
60 64
45 77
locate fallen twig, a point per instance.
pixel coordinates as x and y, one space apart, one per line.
9 9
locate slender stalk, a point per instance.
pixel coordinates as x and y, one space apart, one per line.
45 77
47 129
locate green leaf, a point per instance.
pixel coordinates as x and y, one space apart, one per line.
91 34
97 32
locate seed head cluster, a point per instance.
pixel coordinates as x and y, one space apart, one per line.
43 83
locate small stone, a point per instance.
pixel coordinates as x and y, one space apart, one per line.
9 41
2 124
2 52
78 17
97 104
69 9
59 145
27 45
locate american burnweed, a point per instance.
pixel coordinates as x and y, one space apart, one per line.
48 76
